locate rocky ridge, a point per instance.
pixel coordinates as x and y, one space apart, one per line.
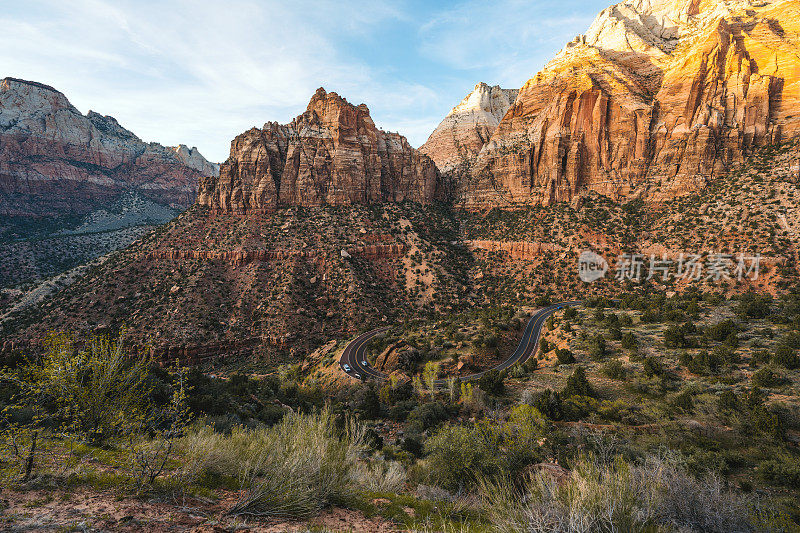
458 139
656 99
331 154
56 161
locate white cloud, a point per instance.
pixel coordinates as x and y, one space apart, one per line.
192 72
201 72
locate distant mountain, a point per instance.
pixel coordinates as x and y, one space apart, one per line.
55 161
457 140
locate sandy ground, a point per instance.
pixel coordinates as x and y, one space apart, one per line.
87 510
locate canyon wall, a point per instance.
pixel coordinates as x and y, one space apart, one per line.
657 98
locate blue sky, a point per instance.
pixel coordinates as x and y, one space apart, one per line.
201 72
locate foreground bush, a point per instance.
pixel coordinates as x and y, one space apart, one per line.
292 469
655 496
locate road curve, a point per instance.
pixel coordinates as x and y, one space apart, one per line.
354 353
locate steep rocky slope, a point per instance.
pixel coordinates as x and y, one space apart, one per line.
657 98
331 154
456 141
55 161
305 236
274 283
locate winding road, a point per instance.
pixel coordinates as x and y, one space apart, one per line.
354 354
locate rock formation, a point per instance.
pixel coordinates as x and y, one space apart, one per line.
331 154
457 140
657 98
56 161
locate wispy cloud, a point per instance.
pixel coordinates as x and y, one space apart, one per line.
200 72
508 40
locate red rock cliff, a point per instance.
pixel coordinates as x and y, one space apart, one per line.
331 154
657 98
55 160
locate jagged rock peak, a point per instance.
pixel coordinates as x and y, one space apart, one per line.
331 154
487 99
459 137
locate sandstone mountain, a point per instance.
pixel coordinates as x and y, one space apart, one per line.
331 154
656 99
56 161
457 140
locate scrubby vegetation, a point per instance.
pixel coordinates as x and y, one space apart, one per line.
633 430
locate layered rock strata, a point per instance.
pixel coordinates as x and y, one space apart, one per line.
56 161
657 98
456 141
331 154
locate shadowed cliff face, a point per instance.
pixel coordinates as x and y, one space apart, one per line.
56 161
657 98
331 154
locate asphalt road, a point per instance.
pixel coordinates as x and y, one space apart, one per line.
354 354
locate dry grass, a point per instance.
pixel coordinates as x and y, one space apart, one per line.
655 496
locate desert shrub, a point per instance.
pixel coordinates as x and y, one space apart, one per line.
783 471
629 341
394 391
96 393
786 357
379 476
760 357
728 401
564 356
291 469
683 402
457 456
492 382
676 336
654 496
549 404
767 378
597 347
754 305
652 367
614 370
427 415
721 330
577 385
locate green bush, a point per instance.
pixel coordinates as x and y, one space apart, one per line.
721 330
492 382
457 456
96 393
767 378
577 385
427 415
629 341
653 367
564 356
786 357
614 370
597 347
